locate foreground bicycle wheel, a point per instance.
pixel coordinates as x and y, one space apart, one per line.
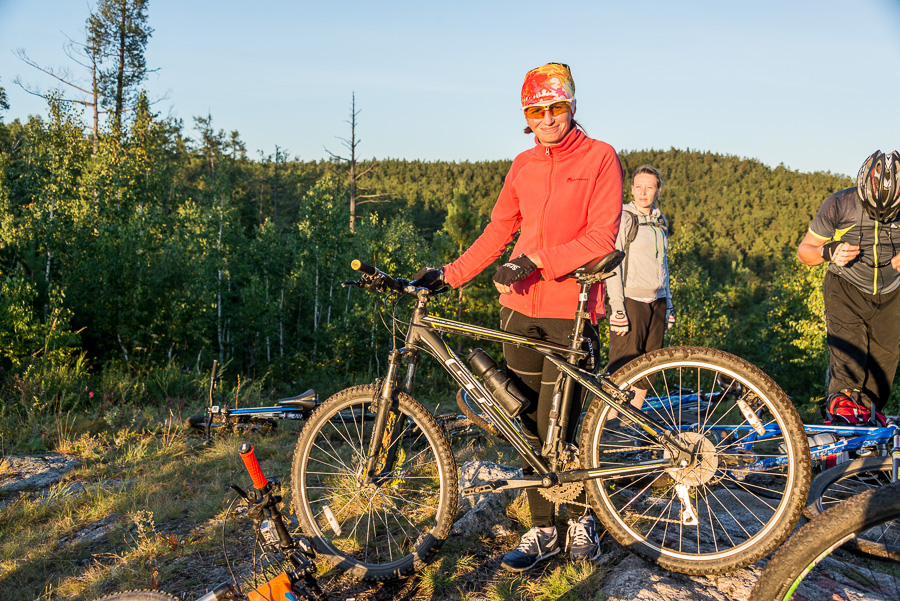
834 486
735 498
139 595
389 528
811 565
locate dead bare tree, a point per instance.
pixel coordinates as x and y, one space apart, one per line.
116 37
86 95
355 197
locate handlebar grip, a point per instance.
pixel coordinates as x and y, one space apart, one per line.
358 265
252 465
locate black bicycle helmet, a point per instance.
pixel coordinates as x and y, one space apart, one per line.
878 185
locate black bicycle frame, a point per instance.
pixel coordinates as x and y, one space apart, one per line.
423 333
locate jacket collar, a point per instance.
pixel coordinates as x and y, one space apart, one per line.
654 210
572 141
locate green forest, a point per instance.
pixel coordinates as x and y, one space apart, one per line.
135 247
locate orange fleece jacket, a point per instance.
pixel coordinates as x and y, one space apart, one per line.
567 202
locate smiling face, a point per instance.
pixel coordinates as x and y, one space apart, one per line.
551 130
645 190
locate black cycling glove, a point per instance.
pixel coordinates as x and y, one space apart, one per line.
514 270
429 277
829 249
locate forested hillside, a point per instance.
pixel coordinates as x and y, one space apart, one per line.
138 245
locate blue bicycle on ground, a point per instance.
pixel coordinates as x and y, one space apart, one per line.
221 418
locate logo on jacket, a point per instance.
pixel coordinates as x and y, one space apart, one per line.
576 179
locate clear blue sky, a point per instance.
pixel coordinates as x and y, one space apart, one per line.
803 83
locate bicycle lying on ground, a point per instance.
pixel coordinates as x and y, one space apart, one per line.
811 565
836 485
222 418
378 496
286 559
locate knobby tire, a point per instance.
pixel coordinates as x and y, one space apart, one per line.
384 530
834 486
811 564
742 514
139 595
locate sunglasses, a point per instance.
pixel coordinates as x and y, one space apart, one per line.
556 109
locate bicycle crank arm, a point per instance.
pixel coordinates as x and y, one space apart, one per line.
500 485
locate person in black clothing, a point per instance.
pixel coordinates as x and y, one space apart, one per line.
853 231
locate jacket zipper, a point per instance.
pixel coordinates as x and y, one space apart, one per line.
548 153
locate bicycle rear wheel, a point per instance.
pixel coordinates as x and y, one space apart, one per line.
834 486
381 530
472 411
734 497
811 564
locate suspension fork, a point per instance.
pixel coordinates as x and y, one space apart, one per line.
384 407
386 403
398 426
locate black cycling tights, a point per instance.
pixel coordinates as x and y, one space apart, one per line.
535 377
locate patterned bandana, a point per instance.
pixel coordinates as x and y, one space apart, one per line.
548 84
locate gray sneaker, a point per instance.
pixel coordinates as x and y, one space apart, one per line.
535 546
582 541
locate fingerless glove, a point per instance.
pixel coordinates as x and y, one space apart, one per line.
514 270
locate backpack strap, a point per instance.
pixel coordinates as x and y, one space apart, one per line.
631 231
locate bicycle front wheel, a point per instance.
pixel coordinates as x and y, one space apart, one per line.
383 529
811 565
736 490
834 486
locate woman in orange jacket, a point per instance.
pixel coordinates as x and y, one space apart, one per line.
564 199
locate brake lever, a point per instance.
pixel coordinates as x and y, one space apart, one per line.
351 283
239 491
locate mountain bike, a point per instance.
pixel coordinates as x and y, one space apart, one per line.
286 559
218 418
811 564
378 497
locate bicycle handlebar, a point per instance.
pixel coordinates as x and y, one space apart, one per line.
358 265
252 465
374 279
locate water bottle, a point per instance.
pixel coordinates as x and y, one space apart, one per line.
497 382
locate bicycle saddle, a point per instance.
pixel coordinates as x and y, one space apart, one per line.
305 400
598 269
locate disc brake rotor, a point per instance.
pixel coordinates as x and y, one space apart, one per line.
700 466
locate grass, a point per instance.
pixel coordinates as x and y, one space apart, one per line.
146 506
155 496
